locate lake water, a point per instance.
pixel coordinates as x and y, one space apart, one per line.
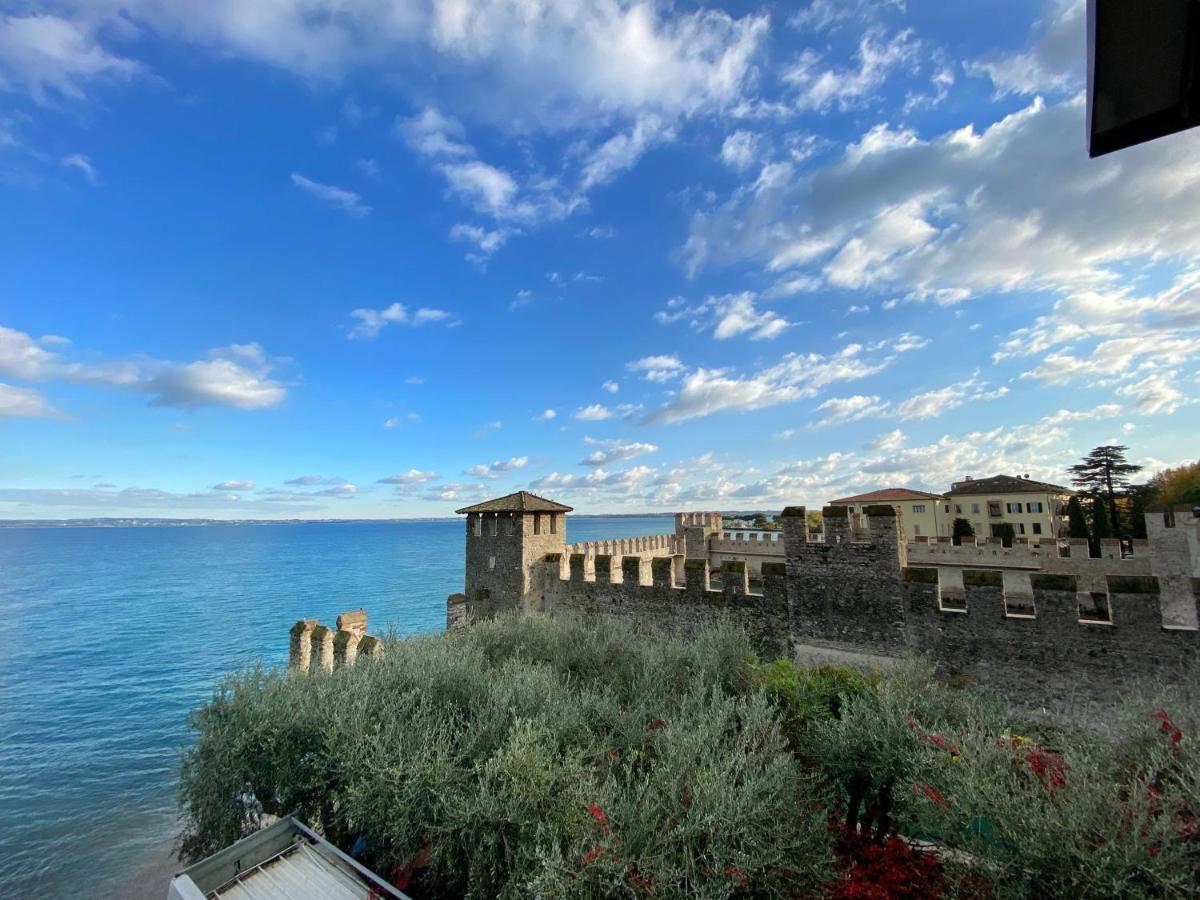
113 634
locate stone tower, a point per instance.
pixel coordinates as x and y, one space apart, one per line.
506 538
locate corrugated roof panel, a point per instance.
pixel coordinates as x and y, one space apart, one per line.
300 874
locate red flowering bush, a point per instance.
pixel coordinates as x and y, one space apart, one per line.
887 871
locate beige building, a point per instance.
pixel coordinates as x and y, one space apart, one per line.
1035 509
923 514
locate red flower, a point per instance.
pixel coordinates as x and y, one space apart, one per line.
598 815
733 873
1152 851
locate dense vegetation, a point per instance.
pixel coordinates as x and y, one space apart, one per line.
563 758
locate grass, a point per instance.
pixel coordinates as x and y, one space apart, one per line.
576 758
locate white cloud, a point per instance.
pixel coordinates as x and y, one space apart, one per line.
338 490
840 410
84 166
305 480
1016 206
1155 394
400 421
597 412
729 315
659 368
820 15
707 391
823 88
373 321
234 486
347 201
616 451
548 415
49 56
25 403
487 242
620 152
741 150
492 471
411 478
893 440
1056 61
236 376
611 386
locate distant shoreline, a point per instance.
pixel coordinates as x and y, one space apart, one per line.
151 522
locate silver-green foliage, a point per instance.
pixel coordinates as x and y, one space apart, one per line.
526 756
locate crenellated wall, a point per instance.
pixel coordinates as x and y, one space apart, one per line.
1040 623
314 647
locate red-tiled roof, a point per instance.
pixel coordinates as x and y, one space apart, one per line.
1006 484
887 495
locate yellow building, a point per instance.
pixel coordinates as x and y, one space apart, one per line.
922 513
1035 509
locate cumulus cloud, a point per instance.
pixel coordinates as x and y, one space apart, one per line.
340 198
547 415
740 150
596 412
236 376
25 403
372 321
704 392
1015 206
492 471
662 367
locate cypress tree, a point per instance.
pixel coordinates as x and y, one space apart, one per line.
1100 524
962 529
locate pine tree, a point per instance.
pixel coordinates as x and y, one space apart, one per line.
1103 473
962 529
1077 526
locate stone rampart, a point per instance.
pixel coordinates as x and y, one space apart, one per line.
314 647
1039 622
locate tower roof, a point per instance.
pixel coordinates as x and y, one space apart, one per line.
521 502
886 495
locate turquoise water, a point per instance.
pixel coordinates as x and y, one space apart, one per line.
113 634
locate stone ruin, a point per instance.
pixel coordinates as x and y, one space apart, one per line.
318 648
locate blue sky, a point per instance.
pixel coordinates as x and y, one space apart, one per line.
306 258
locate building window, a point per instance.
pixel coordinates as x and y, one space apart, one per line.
1037 527
958 508
1013 507
1020 528
994 508
918 507
1033 507
491 563
975 508
495 522
509 527
537 523
476 525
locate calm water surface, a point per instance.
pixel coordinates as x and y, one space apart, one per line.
113 634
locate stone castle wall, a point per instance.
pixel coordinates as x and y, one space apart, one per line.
1035 622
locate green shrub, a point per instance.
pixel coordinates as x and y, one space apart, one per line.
566 758
525 756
